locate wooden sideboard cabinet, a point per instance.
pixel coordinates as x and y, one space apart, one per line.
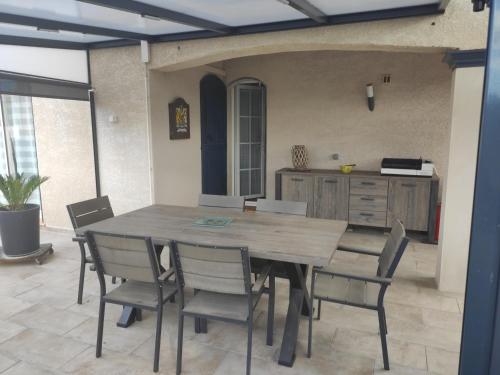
363 198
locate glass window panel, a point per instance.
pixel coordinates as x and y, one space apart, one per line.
245 183
234 12
244 102
244 156
20 137
256 129
244 129
256 102
256 155
255 182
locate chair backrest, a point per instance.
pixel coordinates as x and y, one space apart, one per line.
90 211
282 207
393 250
126 257
212 268
221 201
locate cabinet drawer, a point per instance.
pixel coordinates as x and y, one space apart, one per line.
368 203
298 188
371 218
409 202
331 197
368 186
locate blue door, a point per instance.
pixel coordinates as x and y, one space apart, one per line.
213 135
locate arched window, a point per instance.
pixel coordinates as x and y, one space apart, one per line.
249 133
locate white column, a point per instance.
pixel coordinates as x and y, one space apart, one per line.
458 191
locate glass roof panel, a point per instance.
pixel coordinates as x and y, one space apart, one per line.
333 7
89 14
233 12
32 32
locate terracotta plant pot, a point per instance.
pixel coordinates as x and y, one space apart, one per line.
20 230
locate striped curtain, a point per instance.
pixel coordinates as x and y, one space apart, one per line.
18 144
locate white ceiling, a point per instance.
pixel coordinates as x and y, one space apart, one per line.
228 12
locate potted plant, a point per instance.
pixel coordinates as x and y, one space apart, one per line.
19 220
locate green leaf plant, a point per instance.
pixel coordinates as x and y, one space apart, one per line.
18 188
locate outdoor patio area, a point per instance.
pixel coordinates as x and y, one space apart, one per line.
44 331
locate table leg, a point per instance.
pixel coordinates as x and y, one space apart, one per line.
298 294
128 317
200 324
131 314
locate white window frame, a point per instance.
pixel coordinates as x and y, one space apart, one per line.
249 83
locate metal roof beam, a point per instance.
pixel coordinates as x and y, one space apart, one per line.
307 8
143 9
43 23
39 42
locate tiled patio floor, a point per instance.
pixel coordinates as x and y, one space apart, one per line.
44 331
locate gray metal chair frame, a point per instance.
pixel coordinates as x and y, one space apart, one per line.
396 244
85 213
164 289
253 293
221 201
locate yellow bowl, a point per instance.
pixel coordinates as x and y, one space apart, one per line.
346 169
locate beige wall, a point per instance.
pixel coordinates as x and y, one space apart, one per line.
65 154
456 215
459 28
317 99
177 163
120 81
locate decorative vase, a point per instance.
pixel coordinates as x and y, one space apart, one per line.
20 230
299 157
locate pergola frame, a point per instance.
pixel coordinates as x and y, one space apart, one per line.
208 28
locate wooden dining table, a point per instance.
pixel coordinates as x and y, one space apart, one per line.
296 242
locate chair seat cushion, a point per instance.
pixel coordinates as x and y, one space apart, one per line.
352 241
139 293
347 291
226 306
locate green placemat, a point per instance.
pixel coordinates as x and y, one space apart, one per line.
213 221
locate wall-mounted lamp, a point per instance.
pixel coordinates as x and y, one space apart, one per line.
371 97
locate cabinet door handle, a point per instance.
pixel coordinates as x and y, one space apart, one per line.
409 185
297 179
367 183
367 199
365 214
331 181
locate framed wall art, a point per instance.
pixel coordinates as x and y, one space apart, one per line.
178 112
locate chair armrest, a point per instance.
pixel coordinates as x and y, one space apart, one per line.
359 251
166 275
79 239
259 284
371 279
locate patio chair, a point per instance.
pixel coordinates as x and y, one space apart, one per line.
221 201
134 259
85 213
278 270
338 284
221 276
